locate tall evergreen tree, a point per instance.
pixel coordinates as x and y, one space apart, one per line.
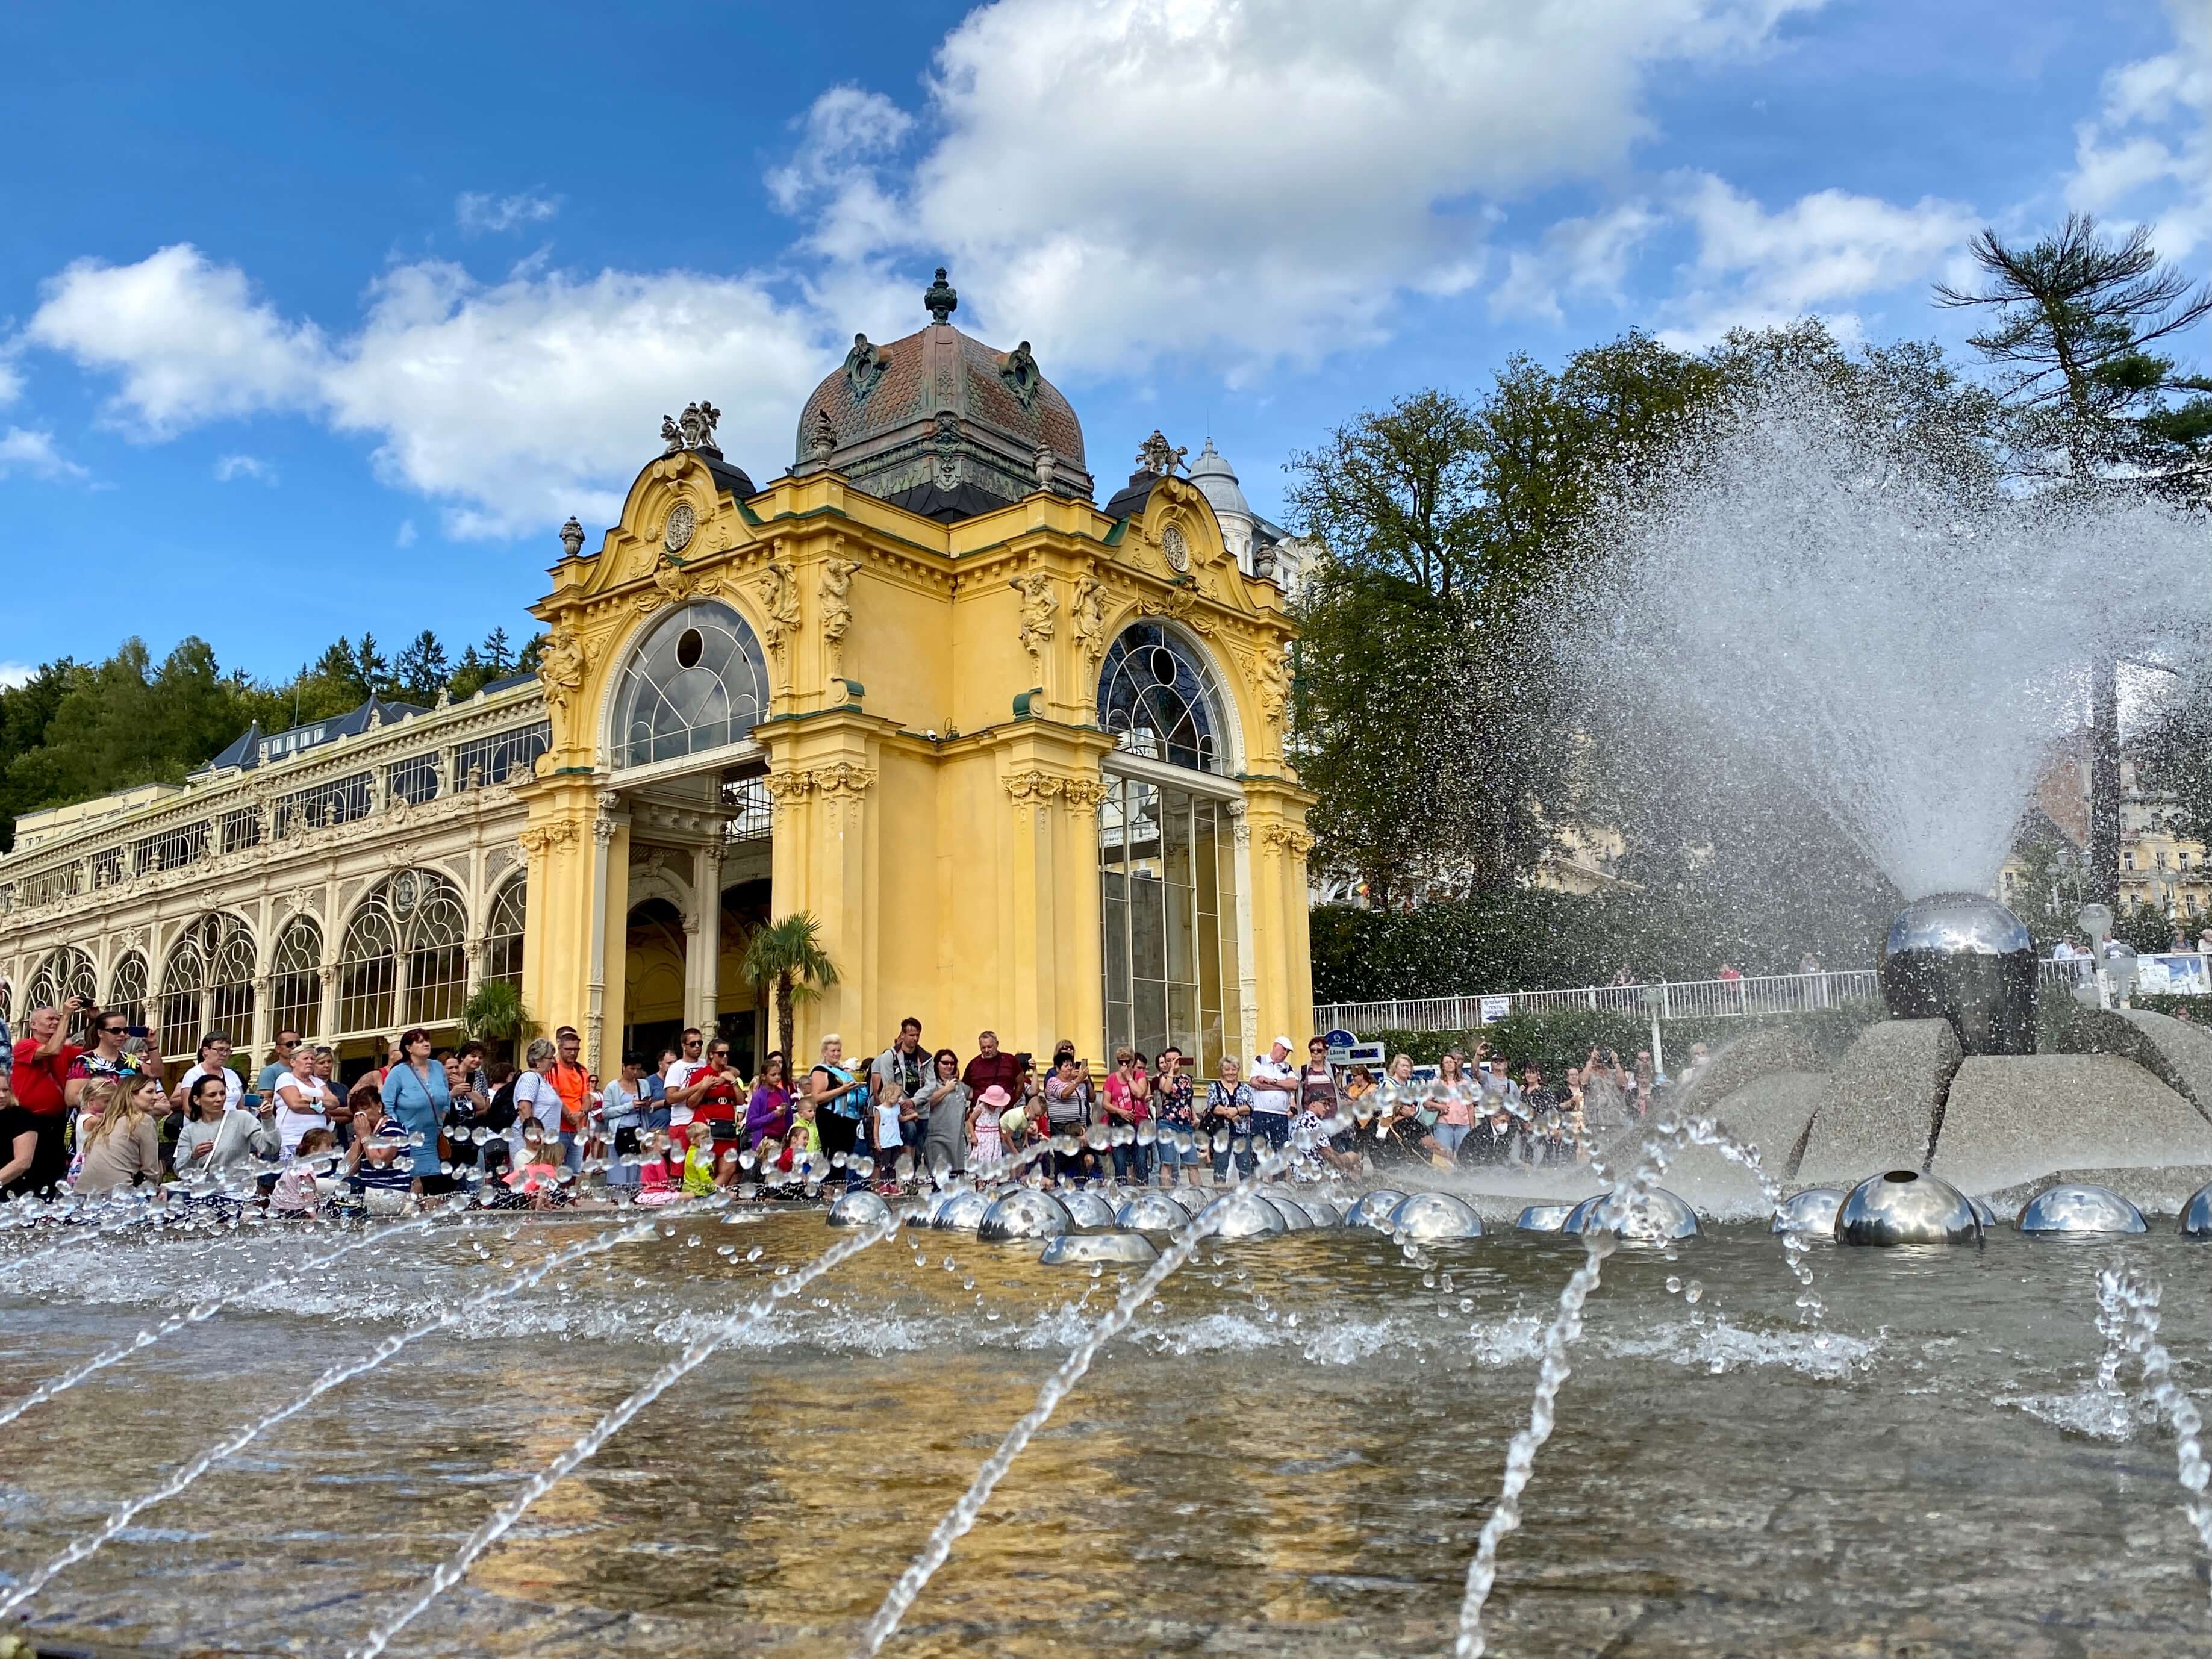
2074 320
421 670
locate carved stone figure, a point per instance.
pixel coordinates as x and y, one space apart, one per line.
837 601
1154 455
561 667
1091 620
697 424
1271 675
672 435
1040 606
780 605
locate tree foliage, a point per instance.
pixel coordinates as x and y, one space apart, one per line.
77 730
2078 320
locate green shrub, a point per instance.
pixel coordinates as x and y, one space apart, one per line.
1559 1040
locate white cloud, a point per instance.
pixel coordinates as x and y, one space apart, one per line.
406 536
522 401
1588 258
11 378
513 403
1819 254
228 468
16 674
189 338
1163 176
32 454
478 214
2147 151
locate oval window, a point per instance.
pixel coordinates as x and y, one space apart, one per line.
690 645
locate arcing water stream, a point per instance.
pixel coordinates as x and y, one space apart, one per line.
80 1548
203 1312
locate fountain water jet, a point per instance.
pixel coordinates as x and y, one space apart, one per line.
2128 1316
205 1310
1599 1239
91 1543
451 1571
960 1517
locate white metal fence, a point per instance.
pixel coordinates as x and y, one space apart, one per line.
1701 998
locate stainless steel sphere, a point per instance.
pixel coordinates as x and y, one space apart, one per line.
1152 1213
1904 1206
2196 1214
2079 1209
1813 1211
1193 1199
1373 1209
1295 1219
1662 1216
961 1211
1089 1209
1024 1214
1983 1213
1129 1247
1544 1218
1965 958
1244 1215
1324 1213
859 1208
1431 1217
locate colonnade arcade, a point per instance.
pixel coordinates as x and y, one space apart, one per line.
406 952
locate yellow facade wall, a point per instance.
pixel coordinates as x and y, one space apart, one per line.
931 744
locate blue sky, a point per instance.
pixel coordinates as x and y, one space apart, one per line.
314 321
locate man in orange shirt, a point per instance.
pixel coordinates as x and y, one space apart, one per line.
574 1084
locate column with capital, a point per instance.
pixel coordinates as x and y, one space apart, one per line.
1282 971
567 901
702 937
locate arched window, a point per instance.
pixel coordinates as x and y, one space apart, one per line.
405 960
368 970
67 973
1158 699
696 682
126 989
437 958
208 984
296 988
502 940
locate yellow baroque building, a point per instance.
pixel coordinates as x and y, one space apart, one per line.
1021 756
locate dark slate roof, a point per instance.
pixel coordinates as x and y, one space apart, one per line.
1129 501
728 476
513 680
963 500
245 752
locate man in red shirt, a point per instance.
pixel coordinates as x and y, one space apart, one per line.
42 1064
992 1064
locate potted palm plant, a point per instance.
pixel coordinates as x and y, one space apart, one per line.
786 958
495 1015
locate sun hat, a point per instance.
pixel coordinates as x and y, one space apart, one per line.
995 1095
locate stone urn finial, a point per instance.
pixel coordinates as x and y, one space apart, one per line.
572 537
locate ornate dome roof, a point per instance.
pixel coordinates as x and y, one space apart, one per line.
1217 482
942 424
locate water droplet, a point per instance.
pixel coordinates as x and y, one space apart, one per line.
754 1254
1673 1284
1692 1290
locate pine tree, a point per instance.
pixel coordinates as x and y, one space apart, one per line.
498 653
421 669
